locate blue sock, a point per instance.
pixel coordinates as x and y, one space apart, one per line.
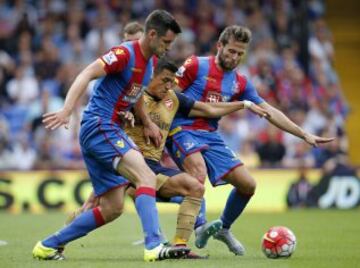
234 207
81 226
201 218
146 208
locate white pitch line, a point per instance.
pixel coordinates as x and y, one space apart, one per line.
3 243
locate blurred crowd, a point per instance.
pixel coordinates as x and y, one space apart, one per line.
44 44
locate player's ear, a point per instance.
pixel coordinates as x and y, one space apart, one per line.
219 45
152 34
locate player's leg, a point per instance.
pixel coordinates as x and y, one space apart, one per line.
133 166
195 165
172 190
182 184
244 188
187 149
110 207
192 190
91 202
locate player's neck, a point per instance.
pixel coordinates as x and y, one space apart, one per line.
145 48
149 92
217 64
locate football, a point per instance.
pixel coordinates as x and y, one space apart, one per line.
278 242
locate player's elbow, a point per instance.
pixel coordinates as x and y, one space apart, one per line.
210 111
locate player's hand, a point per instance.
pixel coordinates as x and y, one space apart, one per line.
54 120
314 140
256 109
127 117
152 133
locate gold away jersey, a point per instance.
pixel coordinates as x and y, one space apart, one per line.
162 113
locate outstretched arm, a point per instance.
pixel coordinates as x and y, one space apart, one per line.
62 117
218 109
280 120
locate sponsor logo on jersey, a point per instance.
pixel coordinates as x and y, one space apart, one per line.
169 104
134 93
213 96
109 58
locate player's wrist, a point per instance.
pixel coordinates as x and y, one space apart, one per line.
247 104
67 110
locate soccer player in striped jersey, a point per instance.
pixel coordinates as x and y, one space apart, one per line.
162 103
124 72
195 144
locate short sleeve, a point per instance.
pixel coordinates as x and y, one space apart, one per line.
185 103
115 60
187 72
251 94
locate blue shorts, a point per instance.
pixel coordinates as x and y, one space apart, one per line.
220 159
157 168
101 142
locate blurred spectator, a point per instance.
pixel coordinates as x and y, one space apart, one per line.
23 155
22 89
301 154
298 192
46 153
271 150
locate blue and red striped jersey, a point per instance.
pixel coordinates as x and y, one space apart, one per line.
127 75
201 80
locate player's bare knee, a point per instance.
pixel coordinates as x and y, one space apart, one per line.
117 211
197 190
248 188
111 212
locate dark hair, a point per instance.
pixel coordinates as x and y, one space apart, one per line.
133 28
161 21
165 63
237 33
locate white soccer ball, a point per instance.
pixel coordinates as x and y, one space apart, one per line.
278 242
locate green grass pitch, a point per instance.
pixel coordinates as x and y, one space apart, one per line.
325 239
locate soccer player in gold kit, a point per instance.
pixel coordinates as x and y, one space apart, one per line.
162 104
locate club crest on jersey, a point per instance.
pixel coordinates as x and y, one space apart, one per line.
169 104
213 96
109 58
235 87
